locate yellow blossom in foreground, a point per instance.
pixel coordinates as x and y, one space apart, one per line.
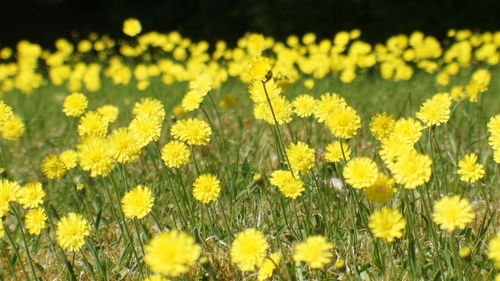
360 172
469 170
53 167
452 212
171 253
35 221
206 188
301 157
289 185
71 232
382 125
132 27
268 266
174 154
304 105
494 250
137 203
412 169
315 251
249 249
336 151
192 131
387 224
381 190
436 110
75 104
31 195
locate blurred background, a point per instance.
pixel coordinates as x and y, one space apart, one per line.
43 21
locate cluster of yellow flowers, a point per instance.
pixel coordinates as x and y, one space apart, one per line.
172 182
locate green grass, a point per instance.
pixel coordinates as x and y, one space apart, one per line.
242 146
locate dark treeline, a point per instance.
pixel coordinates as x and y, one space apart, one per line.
43 21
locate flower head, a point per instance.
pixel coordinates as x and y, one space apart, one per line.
315 251
268 266
387 224
171 253
132 27
12 129
249 249
109 113
301 157
145 128
206 188
381 190
452 212
92 124
193 131
124 145
412 169
290 186
69 158
382 125
53 167
470 170
494 250
75 104
71 232
336 151
31 195
436 110
35 221
149 107
94 156
304 105
174 154
360 172
137 203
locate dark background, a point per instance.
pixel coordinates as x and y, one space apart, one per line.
43 21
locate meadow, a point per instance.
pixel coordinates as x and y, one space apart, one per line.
152 157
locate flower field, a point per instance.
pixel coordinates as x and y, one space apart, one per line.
153 157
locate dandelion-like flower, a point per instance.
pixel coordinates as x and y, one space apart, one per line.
344 122
149 107
53 167
360 172
109 113
381 190
407 130
258 68
94 156
12 129
304 105
71 232
412 169
290 186
137 203
75 104
132 27
9 192
175 154
315 251
469 170
494 250
145 128
452 212
31 195
301 157
124 145
249 249
327 105
387 224
69 158
206 188
193 131
268 266
171 253
436 110
92 124
35 221
382 125
334 153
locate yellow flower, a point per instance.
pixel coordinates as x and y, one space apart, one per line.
175 154
344 122
145 128
132 27
412 169
258 68
31 195
171 253
75 104
192 100
436 110
470 170
9 192
327 105
193 131
408 130
150 107
387 224
304 105
206 188
334 152
452 212
35 221
249 249
288 185
12 129
360 172
69 158
301 157
268 266
137 203
53 167
178 111
309 84
92 124
315 251
124 145
381 190
494 250
71 232
382 125
109 113
281 108
94 156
